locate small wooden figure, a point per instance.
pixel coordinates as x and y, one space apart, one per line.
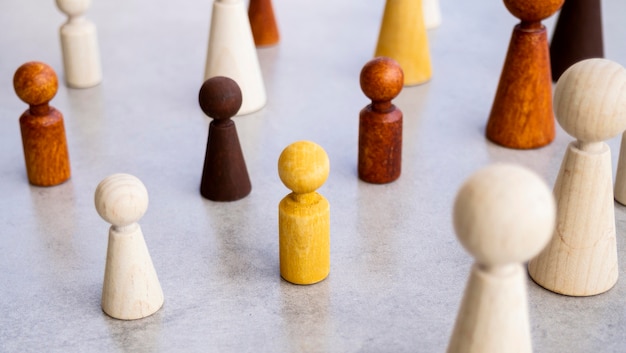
304 215
380 123
432 13
79 46
224 176
231 53
577 35
620 176
43 133
263 23
581 259
521 115
403 38
503 215
131 288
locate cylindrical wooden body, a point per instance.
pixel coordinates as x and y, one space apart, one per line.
263 22
81 55
304 238
45 148
521 115
380 145
581 258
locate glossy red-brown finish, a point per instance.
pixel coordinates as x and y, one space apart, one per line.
263 23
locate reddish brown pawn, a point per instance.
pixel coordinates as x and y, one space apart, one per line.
521 115
224 176
380 123
43 133
263 23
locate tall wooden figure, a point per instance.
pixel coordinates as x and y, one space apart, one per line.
503 215
232 53
380 123
590 105
224 176
403 38
304 215
43 132
577 35
131 288
263 23
521 115
79 46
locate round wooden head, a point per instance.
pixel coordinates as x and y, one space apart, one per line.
382 79
35 83
590 100
220 97
533 10
504 214
121 199
73 7
303 167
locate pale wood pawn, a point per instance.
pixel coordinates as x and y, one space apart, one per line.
432 13
304 215
503 215
131 288
581 259
620 176
232 53
79 46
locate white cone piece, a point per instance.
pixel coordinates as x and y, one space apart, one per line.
432 13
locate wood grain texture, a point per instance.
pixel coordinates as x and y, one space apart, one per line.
43 132
263 23
403 38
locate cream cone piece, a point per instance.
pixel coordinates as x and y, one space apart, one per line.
581 258
79 46
432 13
620 177
503 215
131 289
232 53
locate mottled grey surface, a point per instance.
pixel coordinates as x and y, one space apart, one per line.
397 273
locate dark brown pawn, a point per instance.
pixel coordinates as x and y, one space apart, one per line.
225 176
380 123
521 115
43 133
577 35
263 23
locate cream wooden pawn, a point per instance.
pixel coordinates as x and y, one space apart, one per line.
432 13
79 46
581 258
503 215
620 177
232 53
131 289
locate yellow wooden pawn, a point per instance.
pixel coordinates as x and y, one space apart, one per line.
304 215
403 38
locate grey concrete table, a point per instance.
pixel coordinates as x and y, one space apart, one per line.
397 272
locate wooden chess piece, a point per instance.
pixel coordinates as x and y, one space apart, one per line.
304 215
263 23
231 53
590 105
224 176
620 176
131 288
380 123
503 215
403 38
79 45
43 133
432 13
521 115
577 35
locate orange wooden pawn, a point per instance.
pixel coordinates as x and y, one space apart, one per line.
263 23
43 133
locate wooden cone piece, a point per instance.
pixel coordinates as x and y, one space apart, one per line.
620 176
581 258
503 215
131 289
432 13
43 132
79 46
577 35
403 38
231 53
263 23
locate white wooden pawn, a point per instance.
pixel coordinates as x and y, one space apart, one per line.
232 53
620 176
432 13
503 215
581 258
131 288
79 46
